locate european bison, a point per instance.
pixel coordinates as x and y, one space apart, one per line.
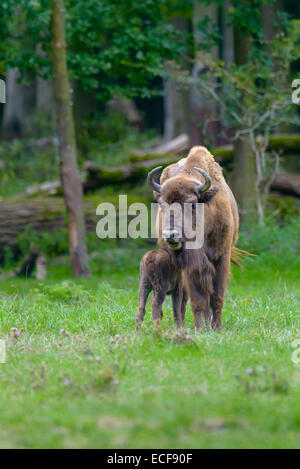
157 273
205 271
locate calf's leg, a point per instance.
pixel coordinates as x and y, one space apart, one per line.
157 302
144 290
177 297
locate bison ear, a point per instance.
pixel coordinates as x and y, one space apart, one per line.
207 196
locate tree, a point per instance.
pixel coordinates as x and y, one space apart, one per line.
70 177
255 102
243 187
205 17
114 48
255 23
176 101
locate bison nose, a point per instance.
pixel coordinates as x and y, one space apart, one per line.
172 235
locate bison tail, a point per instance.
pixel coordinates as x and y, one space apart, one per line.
237 256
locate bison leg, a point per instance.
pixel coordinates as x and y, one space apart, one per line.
208 315
144 290
177 298
183 305
219 286
199 307
157 302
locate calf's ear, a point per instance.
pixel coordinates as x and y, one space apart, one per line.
207 196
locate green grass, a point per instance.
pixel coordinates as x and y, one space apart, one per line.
79 376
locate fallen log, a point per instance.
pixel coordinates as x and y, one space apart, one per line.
47 214
286 183
140 163
43 215
45 188
98 175
177 146
286 143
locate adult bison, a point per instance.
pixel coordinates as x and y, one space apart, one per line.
205 271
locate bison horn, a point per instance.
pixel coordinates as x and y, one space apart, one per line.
207 183
151 175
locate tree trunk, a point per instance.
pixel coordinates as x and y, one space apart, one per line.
70 177
128 108
44 96
228 58
204 125
228 37
268 16
19 107
169 120
243 179
241 46
176 101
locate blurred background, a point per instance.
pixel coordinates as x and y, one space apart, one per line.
143 82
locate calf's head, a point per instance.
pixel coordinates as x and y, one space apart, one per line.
178 198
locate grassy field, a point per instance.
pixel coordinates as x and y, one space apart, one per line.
77 375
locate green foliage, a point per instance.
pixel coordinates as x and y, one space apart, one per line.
273 243
7 256
24 163
245 15
51 244
6 12
211 34
108 139
284 208
113 47
253 96
30 160
105 138
64 291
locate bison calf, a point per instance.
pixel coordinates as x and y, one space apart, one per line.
158 273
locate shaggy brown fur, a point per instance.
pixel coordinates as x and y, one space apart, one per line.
158 273
205 271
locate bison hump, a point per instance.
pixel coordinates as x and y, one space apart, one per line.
202 158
